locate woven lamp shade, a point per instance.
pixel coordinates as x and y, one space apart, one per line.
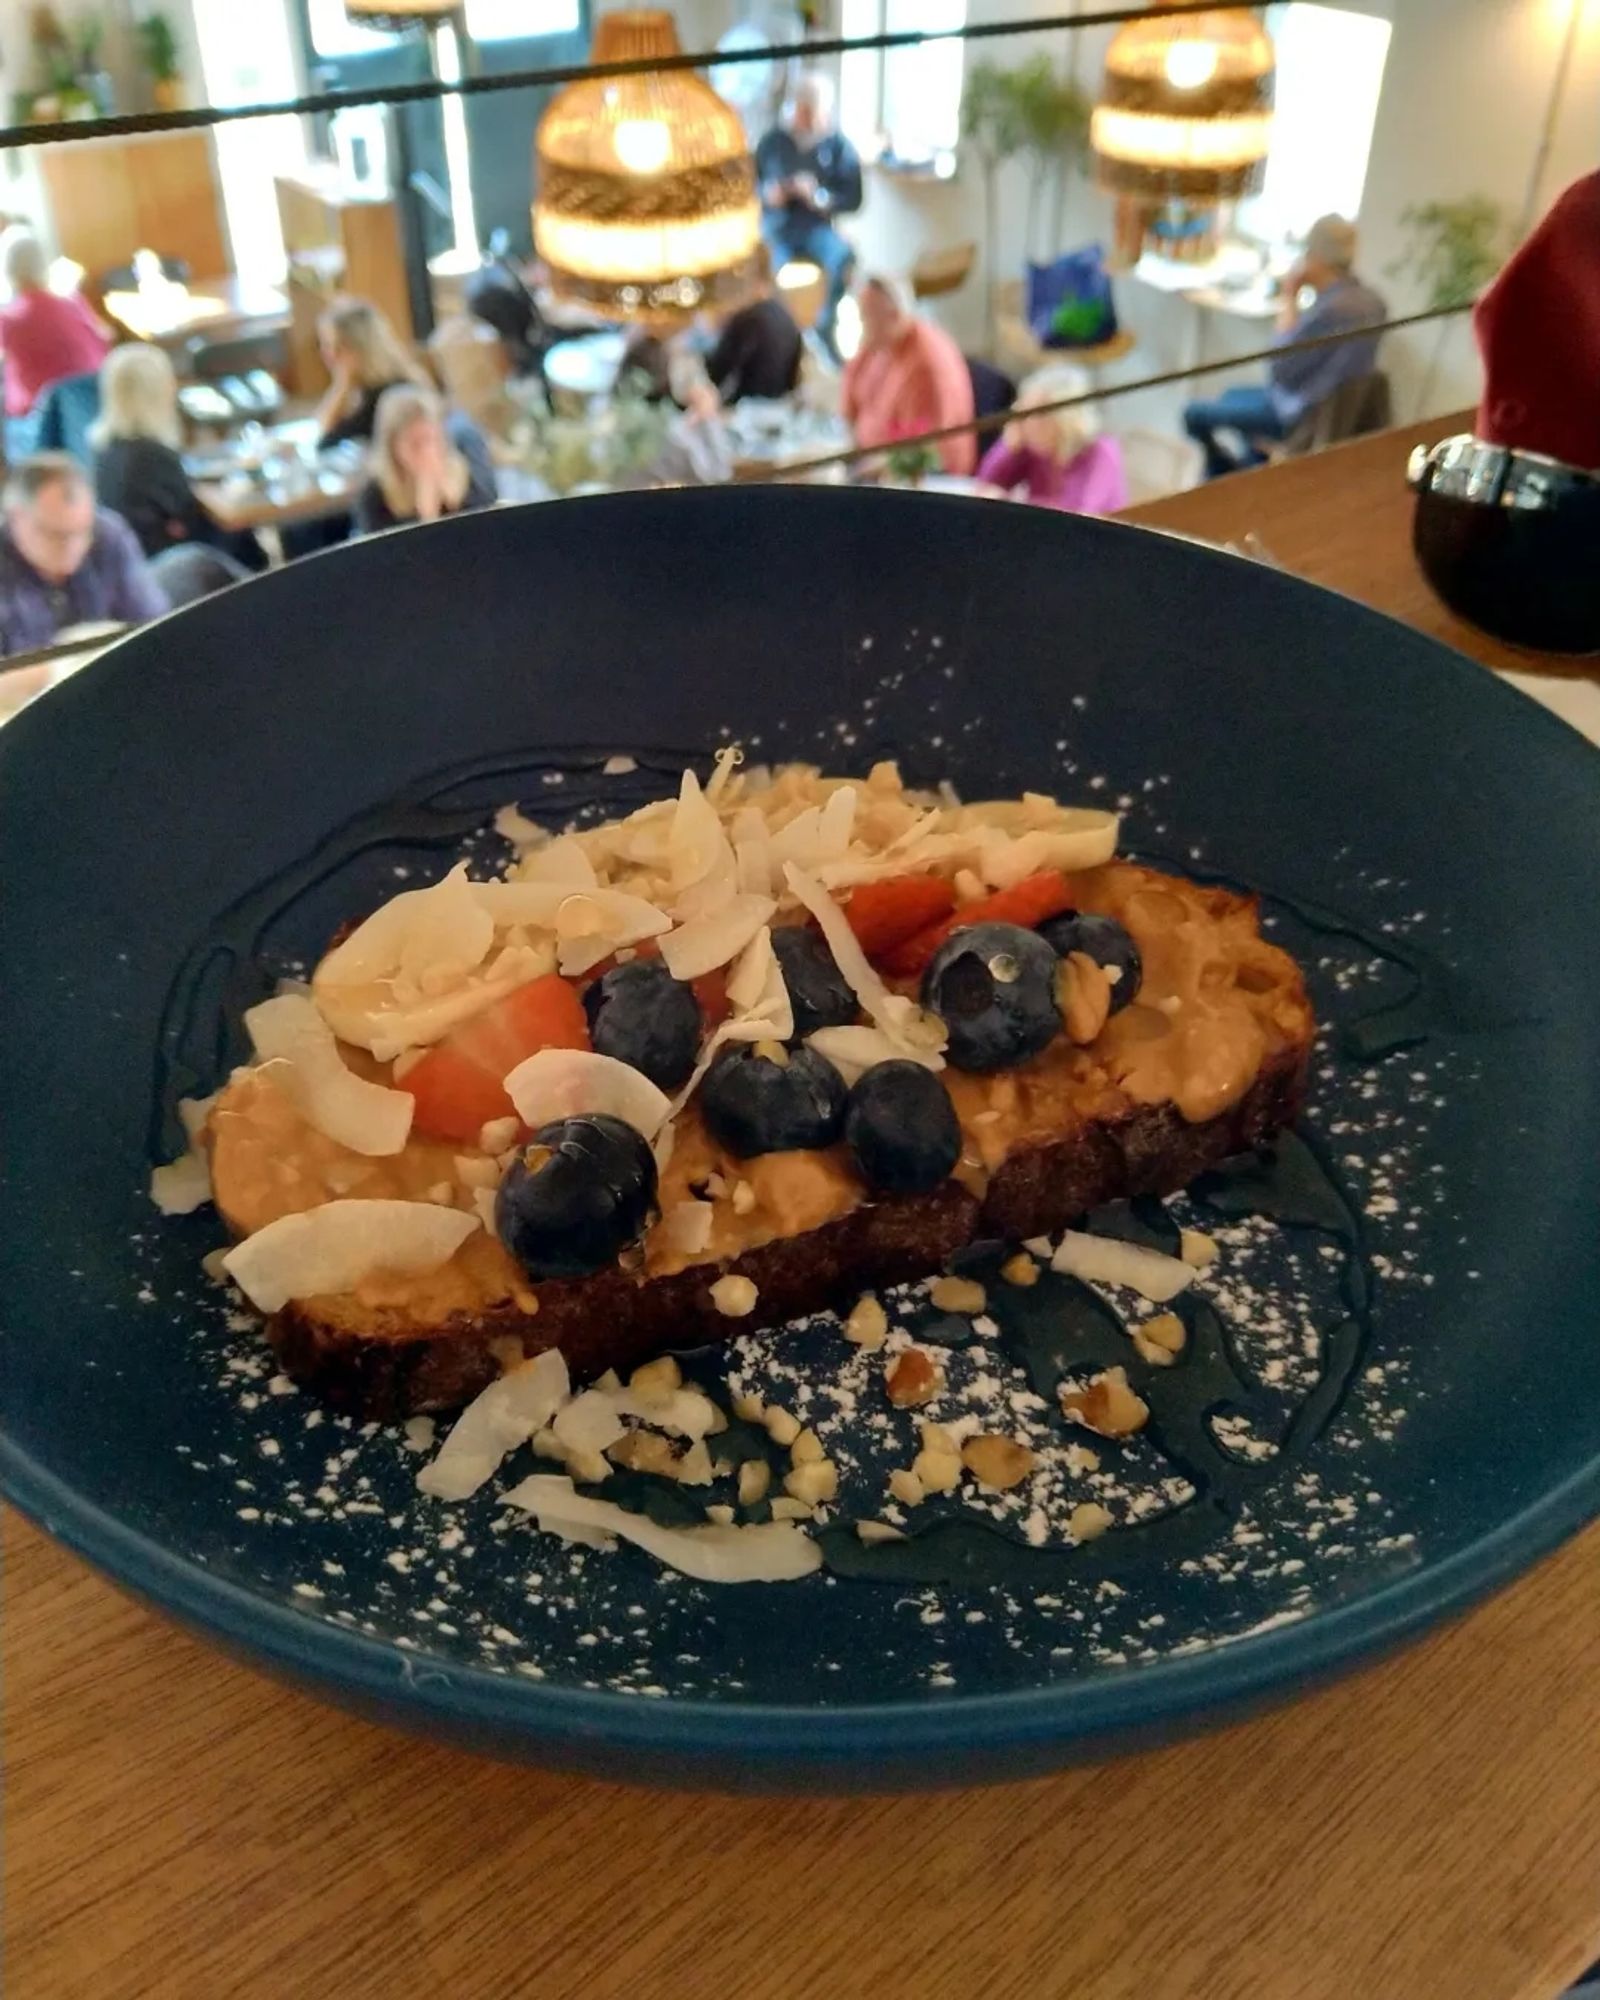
399 13
646 206
1185 110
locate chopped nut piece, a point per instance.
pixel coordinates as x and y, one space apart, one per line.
969 886
913 1377
958 1295
716 1186
906 1487
807 1449
936 1438
473 1172
442 1193
878 1531
498 1134
734 1297
1087 1521
1081 1460
884 776
939 1471
787 1508
774 1052
1020 1270
744 1197
645 1451
547 1445
1107 1406
609 1381
782 1428
813 1483
868 1324
717 1422
1083 994
997 1461
589 1468
656 1380
749 1409
723 1516
694 1468
1160 1339
1197 1248
755 1477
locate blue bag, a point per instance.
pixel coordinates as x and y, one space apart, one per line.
1070 302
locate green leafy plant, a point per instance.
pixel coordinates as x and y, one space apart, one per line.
1453 248
1029 110
910 464
158 46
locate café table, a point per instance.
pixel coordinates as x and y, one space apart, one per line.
275 478
218 307
1426 1829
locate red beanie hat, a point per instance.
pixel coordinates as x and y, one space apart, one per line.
1538 328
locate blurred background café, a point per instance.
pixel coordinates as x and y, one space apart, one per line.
270 283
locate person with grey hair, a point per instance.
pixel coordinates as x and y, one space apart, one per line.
810 174
1298 380
44 337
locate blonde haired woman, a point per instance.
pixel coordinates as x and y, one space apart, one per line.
1057 458
364 356
419 472
137 470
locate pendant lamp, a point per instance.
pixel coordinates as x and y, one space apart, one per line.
1185 111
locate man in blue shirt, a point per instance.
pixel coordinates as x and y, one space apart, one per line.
809 174
65 562
1297 381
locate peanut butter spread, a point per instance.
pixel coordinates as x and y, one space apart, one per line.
1216 1001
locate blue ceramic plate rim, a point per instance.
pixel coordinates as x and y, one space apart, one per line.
1169 1691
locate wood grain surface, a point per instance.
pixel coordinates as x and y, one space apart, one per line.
179 1829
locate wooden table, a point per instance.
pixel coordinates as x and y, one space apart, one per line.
256 508
1427 1830
218 307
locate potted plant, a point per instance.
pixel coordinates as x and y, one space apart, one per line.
1453 249
158 46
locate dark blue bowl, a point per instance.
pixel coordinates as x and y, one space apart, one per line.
1422 836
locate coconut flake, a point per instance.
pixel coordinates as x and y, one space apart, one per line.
1080 838
913 1032
332 1248
758 992
774 1552
291 1035
493 1424
856 1049
561 861
706 943
183 1185
686 1227
1102 1260
589 1423
567 1083
591 924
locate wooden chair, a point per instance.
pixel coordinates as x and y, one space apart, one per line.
470 361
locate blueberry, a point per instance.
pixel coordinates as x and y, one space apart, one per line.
754 1103
580 1192
818 989
641 1015
994 987
902 1128
1105 941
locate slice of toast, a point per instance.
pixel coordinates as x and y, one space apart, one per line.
1211 1062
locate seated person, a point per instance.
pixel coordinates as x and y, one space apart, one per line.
43 337
758 347
696 450
809 173
907 376
364 356
498 295
1297 382
1057 458
419 471
137 470
64 562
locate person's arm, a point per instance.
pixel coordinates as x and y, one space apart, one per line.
336 406
1296 371
840 186
1002 466
134 596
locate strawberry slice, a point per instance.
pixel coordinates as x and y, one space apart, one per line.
459 1084
1027 903
885 914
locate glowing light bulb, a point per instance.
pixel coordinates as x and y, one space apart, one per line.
1190 64
642 144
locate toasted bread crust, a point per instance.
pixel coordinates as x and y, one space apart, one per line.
613 1320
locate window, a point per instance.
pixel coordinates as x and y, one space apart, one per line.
257 68
903 104
1330 75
